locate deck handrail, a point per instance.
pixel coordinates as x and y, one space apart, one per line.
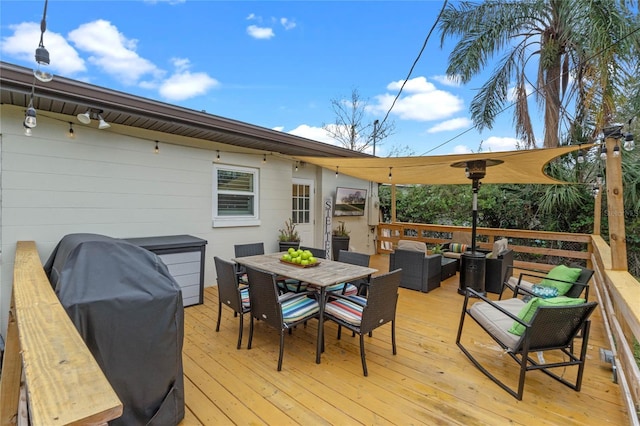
64 384
390 233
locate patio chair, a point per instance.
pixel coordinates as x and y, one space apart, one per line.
355 287
527 282
421 272
498 267
546 325
317 252
231 293
243 250
362 315
282 312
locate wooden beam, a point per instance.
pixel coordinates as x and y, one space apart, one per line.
615 208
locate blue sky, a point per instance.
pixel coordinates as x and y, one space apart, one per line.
276 64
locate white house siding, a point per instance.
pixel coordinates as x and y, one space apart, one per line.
106 183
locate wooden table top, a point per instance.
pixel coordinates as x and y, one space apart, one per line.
327 273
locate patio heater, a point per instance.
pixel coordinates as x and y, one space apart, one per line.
472 263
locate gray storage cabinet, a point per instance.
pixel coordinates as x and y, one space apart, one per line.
184 256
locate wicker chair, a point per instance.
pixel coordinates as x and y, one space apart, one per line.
317 252
243 250
282 312
551 328
231 293
355 287
362 315
421 272
524 282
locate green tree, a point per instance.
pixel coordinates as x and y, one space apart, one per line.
575 43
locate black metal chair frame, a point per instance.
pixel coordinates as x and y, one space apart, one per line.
229 293
267 306
580 285
379 309
551 328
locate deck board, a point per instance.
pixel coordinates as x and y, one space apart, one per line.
429 381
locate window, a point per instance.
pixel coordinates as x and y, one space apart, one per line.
235 196
301 203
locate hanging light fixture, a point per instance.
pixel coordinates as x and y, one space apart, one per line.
390 175
30 115
580 156
217 155
296 166
616 150
603 152
264 158
157 149
336 172
27 130
628 143
71 134
42 54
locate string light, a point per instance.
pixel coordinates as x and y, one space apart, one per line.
336 172
27 130
217 155
390 175
580 156
264 158
157 149
616 150
71 134
603 152
296 166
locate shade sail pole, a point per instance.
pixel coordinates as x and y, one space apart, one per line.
475 184
615 208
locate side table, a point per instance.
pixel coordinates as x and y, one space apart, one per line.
448 269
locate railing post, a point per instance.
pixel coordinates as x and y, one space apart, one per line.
615 208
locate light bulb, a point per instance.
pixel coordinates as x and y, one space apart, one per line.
616 151
628 143
30 117
27 130
603 153
580 156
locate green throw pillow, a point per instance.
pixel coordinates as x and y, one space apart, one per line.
563 273
527 311
525 314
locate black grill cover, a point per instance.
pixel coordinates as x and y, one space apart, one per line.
128 309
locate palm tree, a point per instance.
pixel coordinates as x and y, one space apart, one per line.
575 43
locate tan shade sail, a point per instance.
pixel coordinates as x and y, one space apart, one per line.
523 166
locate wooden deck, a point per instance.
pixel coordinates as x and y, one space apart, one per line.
429 381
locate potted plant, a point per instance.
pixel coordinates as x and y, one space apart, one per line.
437 249
288 236
339 240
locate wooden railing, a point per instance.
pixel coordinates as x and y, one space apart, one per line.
618 292
534 243
63 383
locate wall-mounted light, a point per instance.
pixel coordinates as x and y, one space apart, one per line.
157 149
71 134
95 114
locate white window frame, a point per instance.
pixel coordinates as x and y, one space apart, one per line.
231 221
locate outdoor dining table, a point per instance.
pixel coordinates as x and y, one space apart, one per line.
323 275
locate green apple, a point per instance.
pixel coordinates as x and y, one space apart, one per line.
291 250
304 262
305 255
297 259
312 260
287 257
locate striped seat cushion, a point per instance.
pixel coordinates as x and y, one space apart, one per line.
346 309
351 289
299 307
244 295
243 279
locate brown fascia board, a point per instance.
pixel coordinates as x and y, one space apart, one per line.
20 79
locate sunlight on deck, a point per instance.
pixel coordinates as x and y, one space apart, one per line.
429 381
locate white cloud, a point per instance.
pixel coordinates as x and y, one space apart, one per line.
278 128
495 143
260 33
447 81
453 124
461 149
112 52
287 24
183 84
313 133
24 41
422 101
